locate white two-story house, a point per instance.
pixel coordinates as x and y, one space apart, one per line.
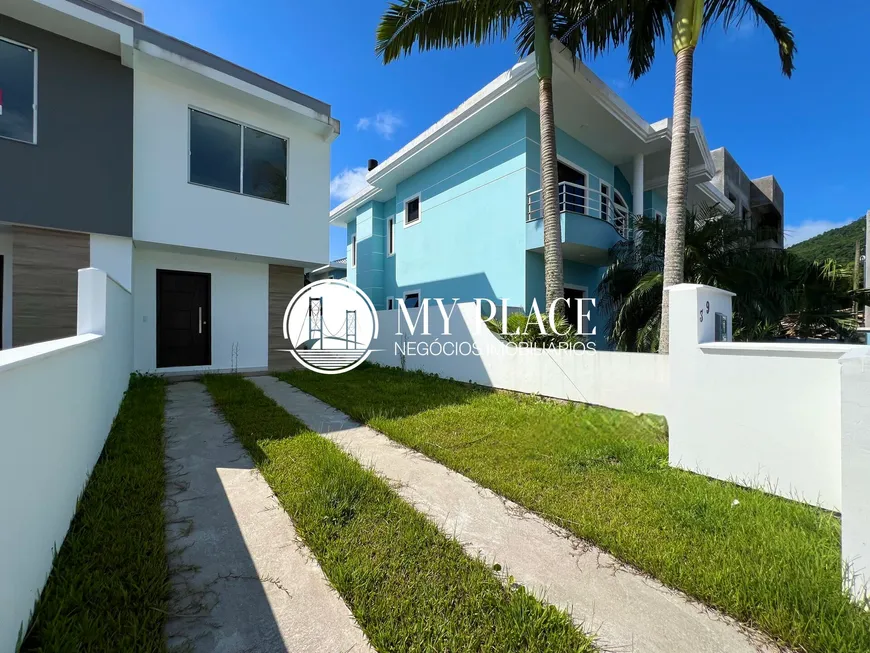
198 185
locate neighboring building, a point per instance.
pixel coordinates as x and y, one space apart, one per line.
335 270
457 211
200 186
760 203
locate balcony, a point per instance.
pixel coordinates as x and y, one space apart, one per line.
592 222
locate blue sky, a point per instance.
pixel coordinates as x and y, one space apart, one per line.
810 131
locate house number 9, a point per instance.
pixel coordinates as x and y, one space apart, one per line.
702 311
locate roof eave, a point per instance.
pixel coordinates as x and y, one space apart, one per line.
346 211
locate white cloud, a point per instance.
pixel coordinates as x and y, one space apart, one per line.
347 183
810 228
384 123
619 84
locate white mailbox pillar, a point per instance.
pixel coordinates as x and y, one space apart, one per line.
855 416
696 313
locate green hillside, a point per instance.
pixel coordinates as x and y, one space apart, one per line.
838 244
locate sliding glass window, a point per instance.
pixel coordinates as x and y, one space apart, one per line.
17 91
237 158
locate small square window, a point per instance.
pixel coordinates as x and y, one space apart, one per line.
412 300
412 211
17 92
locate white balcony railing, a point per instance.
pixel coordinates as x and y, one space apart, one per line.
582 200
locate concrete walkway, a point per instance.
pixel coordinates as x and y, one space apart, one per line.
242 580
628 611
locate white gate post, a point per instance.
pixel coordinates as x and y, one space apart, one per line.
855 416
695 311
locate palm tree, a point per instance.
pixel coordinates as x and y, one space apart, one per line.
641 25
438 24
778 295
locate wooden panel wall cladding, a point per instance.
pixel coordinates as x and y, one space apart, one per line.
284 282
45 265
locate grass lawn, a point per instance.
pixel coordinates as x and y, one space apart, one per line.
109 584
410 587
603 474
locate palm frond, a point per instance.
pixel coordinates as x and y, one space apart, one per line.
778 295
732 12
439 24
648 24
590 27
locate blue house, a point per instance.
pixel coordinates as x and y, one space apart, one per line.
457 211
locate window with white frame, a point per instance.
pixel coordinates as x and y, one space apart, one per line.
391 237
412 210
412 299
231 156
389 303
18 81
605 202
353 251
572 189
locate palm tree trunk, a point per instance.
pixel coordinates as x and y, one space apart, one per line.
678 178
554 281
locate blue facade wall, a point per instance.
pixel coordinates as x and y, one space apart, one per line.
577 275
654 201
472 239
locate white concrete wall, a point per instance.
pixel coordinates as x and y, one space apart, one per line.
765 415
239 309
855 383
113 255
633 382
169 210
57 403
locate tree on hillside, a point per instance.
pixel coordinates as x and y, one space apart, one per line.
837 244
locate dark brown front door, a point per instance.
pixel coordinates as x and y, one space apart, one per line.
574 295
183 319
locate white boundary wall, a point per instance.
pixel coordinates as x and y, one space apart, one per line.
57 403
633 382
764 415
855 407
791 419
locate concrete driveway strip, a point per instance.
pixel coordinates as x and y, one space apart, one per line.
242 580
629 612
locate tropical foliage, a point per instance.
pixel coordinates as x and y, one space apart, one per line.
642 26
778 295
522 329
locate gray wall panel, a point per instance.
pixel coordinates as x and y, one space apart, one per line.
79 175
